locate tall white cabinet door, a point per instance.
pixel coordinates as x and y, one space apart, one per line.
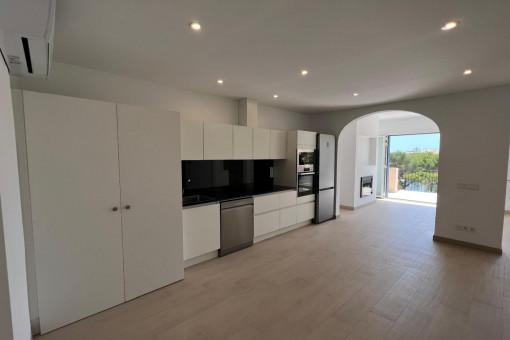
150 177
278 148
74 185
218 141
192 140
243 142
261 142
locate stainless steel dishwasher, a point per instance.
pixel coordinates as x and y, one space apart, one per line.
236 225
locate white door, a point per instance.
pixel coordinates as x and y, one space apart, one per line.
74 185
150 177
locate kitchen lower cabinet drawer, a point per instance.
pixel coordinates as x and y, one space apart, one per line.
266 203
305 199
266 223
287 217
305 212
288 199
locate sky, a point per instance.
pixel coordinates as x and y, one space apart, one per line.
410 142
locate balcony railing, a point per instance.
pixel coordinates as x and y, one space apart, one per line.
422 181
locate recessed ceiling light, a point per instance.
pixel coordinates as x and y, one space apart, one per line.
275 96
195 26
304 72
220 81
450 25
467 72
355 94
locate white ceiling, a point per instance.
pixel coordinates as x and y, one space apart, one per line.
386 50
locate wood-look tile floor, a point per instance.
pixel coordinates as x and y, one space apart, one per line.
375 273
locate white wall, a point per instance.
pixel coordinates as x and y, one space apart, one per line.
14 315
475 131
74 81
407 126
346 165
273 118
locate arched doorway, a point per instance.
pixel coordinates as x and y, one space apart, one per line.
363 159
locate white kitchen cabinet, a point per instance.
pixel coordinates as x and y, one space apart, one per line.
74 185
149 141
288 217
201 230
307 138
305 212
243 142
192 140
218 141
278 144
266 223
261 143
288 199
305 199
266 203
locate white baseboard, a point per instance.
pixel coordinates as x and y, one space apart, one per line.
201 258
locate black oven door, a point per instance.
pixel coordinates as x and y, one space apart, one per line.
306 184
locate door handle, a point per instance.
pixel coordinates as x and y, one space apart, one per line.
115 208
127 207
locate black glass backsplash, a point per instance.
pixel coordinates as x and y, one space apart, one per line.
210 174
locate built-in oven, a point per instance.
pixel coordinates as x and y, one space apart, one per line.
306 183
305 160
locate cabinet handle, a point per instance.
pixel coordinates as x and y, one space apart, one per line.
115 208
128 207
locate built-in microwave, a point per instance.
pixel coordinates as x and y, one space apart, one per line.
305 160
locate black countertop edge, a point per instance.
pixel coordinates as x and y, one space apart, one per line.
222 194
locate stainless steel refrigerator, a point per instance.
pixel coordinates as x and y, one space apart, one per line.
325 178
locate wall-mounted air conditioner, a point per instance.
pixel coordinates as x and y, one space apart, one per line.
27 28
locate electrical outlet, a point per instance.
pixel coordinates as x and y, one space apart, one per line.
466 228
467 186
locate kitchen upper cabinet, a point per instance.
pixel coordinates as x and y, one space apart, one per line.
278 145
243 142
218 141
201 228
73 164
149 144
192 140
307 138
261 143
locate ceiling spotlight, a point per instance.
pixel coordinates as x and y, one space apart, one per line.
450 25
220 81
195 26
355 94
275 96
467 72
304 72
